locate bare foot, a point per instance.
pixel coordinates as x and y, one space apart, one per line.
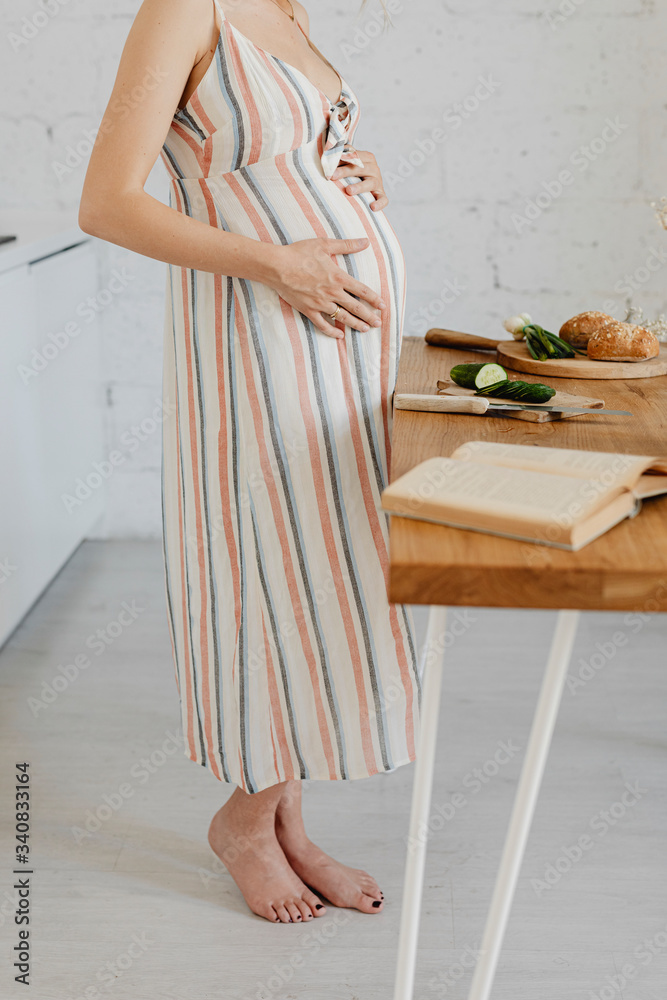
342 886
255 860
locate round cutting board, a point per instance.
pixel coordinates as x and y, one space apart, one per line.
515 355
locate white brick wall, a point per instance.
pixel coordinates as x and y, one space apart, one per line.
555 75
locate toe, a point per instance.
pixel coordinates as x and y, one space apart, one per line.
317 907
294 911
304 909
367 904
282 913
370 889
369 884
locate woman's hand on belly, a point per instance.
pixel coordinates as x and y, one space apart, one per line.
371 179
306 275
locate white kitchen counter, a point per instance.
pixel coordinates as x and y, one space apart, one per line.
51 403
39 234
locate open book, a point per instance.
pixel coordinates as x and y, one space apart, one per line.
553 496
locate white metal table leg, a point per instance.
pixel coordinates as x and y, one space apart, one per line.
524 803
432 657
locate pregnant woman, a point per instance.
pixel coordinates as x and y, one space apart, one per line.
284 308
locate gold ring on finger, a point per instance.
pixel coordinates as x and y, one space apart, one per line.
334 314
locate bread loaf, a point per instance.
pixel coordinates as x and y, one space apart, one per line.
578 329
616 341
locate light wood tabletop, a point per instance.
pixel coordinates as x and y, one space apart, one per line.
625 569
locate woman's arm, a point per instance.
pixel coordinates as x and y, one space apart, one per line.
164 43
167 39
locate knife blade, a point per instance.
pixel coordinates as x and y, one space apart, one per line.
557 409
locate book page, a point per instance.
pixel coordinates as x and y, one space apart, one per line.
609 469
481 493
650 486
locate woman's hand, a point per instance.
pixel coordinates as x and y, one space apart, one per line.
307 277
371 179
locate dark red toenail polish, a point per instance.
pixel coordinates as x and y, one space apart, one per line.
377 902
318 906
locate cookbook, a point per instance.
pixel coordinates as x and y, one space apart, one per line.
553 496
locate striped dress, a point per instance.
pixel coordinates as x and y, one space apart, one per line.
290 662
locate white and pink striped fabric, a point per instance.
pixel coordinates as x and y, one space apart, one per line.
290 662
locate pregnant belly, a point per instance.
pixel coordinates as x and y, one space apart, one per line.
287 199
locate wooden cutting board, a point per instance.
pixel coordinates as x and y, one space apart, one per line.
449 388
514 354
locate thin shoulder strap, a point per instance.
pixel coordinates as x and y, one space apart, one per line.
314 47
220 10
324 59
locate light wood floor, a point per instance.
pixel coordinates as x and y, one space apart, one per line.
147 875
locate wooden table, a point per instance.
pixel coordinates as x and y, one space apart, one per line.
623 570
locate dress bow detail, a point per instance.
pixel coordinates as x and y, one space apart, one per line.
336 147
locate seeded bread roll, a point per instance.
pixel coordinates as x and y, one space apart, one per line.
616 341
578 329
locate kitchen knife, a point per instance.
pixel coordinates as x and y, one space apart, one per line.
558 409
480 404
465 341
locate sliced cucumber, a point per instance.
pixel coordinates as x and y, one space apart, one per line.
474 376
526 392
489 375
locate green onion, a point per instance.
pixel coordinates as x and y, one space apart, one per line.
544 345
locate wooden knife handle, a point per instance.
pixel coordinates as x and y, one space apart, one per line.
450 338
440 404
